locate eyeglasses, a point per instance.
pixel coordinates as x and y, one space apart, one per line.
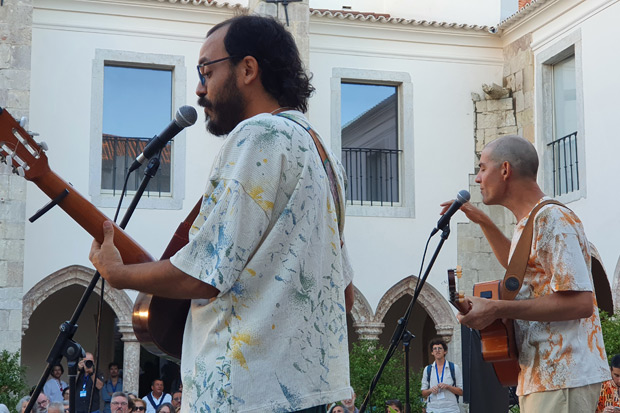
119 403
139 408
201 76
177 399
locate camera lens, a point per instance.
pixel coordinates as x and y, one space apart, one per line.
89 364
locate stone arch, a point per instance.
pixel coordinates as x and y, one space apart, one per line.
431 300
363 318
118 300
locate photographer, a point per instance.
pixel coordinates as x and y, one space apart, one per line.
84 386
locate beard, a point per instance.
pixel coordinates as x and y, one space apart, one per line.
226 110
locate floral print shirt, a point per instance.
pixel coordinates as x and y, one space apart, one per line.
609 396
268 238
559 354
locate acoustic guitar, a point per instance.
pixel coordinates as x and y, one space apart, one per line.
158 322
498 339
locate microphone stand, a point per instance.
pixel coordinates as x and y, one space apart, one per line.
400 330
64 344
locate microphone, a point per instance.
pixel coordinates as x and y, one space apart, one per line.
185 116
444 221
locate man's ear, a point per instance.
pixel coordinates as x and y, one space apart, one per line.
506 170
249 70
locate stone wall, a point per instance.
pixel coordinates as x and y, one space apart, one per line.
519 78
15 49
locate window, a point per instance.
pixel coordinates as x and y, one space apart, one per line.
370 151
135 95
562 143
373 136
565 159
137 105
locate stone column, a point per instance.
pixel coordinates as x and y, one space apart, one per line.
15 50
299 21
368 330
131 358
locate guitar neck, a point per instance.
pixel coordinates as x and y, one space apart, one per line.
89 217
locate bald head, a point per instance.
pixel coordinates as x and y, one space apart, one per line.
518 152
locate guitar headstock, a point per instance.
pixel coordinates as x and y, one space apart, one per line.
19 150
456 297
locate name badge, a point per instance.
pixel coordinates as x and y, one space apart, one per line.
83 393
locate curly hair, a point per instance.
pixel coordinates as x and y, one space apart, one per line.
267 40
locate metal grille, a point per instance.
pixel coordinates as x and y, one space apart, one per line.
565 164
372 175
118 153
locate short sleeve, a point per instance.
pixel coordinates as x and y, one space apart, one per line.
561 253
459 376
224 243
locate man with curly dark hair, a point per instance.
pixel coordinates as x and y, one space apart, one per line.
266 265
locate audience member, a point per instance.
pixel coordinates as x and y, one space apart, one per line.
119 402
349 405
54 386
176 400
609 399
56 407
394 406
4 409
139 406
42 404
65 393
156 397
165 408
337 409
112 385
84 386
22 403
442 389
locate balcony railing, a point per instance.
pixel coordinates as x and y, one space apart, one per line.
118 153
565 164
372 175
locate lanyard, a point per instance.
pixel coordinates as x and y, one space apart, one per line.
60 385
443 369
114 387
85 380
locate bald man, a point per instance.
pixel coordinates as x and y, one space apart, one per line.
557 325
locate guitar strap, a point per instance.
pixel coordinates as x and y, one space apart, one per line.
513 279
326 164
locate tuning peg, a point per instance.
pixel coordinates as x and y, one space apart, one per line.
43 146
23 122
20 171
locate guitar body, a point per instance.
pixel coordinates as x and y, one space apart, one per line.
158 322
498 340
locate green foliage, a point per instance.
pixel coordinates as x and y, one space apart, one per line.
12 379
365 359
611 333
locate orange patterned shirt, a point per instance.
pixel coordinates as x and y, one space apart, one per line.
609 396
560 354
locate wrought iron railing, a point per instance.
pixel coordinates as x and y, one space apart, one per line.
565 164
373 175
118 153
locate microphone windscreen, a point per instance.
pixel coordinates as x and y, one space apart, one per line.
186 116
463 196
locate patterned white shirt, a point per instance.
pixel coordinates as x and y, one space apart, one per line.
268 238
560 354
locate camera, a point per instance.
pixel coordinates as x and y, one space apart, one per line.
89 364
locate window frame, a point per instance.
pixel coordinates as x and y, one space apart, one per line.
176 64
545 60
402 80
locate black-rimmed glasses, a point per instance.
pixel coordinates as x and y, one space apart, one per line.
205 64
